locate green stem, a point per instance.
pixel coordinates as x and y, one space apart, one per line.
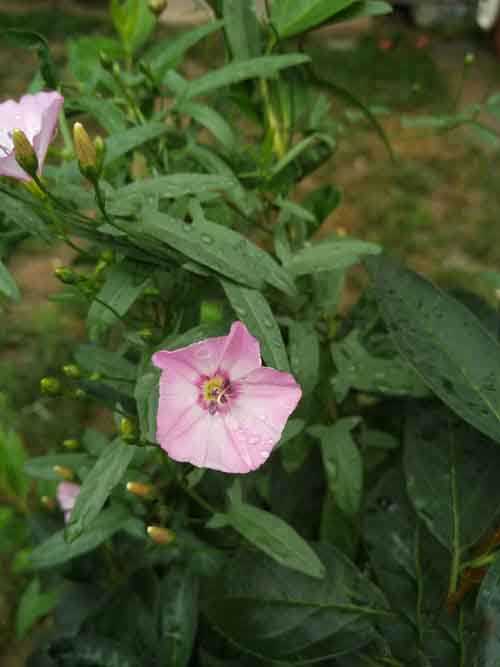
455 562
198 499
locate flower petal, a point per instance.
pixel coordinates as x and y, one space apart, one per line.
47 106
241 352
67 493
198 359
178 393
264 401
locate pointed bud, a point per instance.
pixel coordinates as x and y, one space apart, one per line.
71 443
146 333
24 152
127 429
85 152
48 503
100 152
469 59
64 473
66 275
158 6
71 371
79 393
141 490
160 535
50 386
95 376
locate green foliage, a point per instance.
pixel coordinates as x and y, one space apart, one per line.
364 537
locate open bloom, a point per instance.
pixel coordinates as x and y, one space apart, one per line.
36 116
219 407
67 493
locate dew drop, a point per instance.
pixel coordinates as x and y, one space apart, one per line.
253 440
207 239
263 454
267 322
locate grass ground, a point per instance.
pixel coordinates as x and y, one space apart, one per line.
436 206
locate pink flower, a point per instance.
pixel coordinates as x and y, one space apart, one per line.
219 408
36 115
67 493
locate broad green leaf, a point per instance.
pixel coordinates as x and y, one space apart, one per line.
146 396
97 486
42 467
263 67
7 284
212 121
95 359
123 285
358 369
410 566
330 254
133 21
363 8
274 537
121 143
303 346
328 289
443 341
178 614
242 29
284 616
169 52
487 615
107 113
253 309
343 463
451 476
33 605
56 551
292 17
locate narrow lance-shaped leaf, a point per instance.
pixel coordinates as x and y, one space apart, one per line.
7 284
328 255
443 341
97 486
179 615
253 309
304 354
242 28
292 17
274 537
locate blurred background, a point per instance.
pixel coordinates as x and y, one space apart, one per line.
435 204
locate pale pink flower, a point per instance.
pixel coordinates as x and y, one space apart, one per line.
67 493
219 407
36 115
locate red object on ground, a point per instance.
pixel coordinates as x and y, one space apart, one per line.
422 42
385 44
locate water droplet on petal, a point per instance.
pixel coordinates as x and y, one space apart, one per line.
253 440
264 454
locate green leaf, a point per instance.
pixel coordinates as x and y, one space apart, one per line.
212 121
301 147
242 29
110 364
97 486
121 143
253 309
443 341
179 615
274 537
358 369
284 616
487 614
169 52
42 467
342 462
33 606
56 551
303 346
363 8
146 396
124 284
133 21
451 476
109 115
293 17
7 284
330 254
33 40
12 461
263 67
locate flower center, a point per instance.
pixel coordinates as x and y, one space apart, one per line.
215 393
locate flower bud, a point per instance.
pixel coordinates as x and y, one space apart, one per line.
50 386
71 443
85 152
80 393
151 291
66 275
127 429
146 333
160 535
71 371
469 59
24 152
211 312
141 490
64 473
95 376
105 60
107 256
100 151
158 6
48 503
